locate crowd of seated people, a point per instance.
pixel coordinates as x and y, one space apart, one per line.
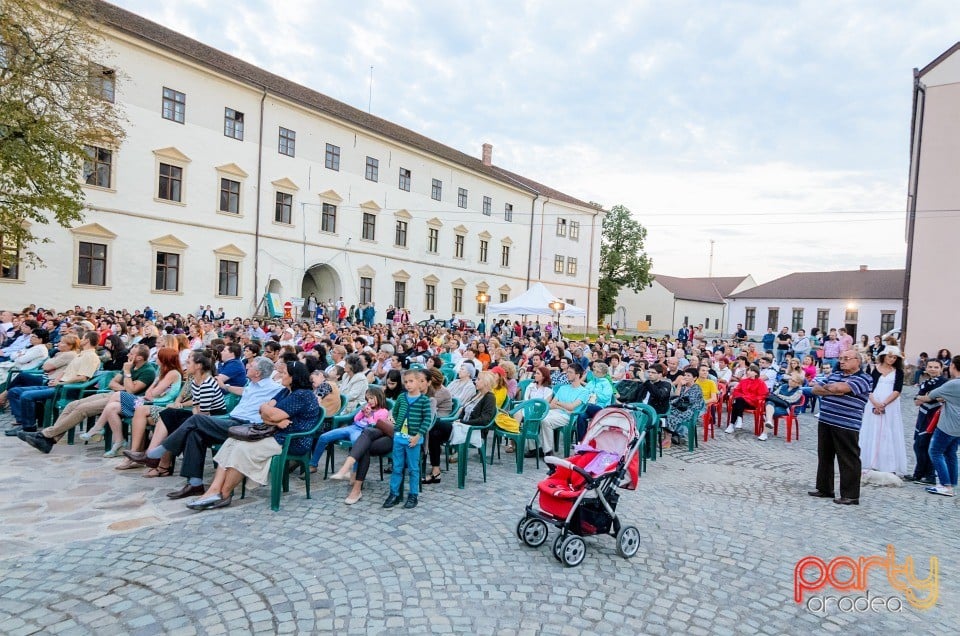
170 386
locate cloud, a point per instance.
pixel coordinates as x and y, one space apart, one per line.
693 110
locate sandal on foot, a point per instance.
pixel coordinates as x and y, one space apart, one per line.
432 479
159 471
127 465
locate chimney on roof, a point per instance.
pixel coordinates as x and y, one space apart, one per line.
863 268
487 154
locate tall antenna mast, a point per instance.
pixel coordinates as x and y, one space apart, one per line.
370 96
710 269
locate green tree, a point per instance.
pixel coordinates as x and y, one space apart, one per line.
56 104
623 263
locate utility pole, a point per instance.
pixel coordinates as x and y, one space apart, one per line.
370 95
710 269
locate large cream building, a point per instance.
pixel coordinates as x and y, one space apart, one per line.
933 223
233 181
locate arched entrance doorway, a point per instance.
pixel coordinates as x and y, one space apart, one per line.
323 281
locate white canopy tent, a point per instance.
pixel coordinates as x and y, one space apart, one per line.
535 302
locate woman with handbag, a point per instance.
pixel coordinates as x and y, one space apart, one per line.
294 409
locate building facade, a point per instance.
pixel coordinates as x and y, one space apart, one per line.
233 182
933 224
671 302
862 301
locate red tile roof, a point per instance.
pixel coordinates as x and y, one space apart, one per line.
855 285
143 29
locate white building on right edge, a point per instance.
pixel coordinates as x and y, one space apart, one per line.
865 301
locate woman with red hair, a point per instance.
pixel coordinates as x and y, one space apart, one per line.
165 389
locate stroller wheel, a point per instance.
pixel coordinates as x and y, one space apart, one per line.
535 533
520 526
628 541
572 551
556 546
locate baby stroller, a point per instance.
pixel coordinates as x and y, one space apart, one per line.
580 497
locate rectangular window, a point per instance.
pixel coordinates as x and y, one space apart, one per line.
171 182
373 169
284 209
484 248
404 179
823 321
400 236
508 212
288 142
229 196
503 298
232 125
851 316
457 300
886 321
558 264
796 320
92 266
332 157
571 266
399 293
103 82
561 227
487 206
773 318
369 226
366 289
458 246
574 230
168 272
505 256
461 197
98 167
229 283
481 307
750 318
9 258
433 239
648 318
430 299
436 190
328 218
174 105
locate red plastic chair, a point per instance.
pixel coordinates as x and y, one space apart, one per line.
713 414
757 415
791 420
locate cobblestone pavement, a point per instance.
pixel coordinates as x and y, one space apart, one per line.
722 529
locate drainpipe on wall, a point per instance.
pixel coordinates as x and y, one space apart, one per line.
593 233
256 231
916 139
533 217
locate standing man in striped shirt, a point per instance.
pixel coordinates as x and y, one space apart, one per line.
843 396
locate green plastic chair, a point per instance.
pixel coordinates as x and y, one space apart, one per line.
280 467
67 393
449 374
650 424
522 389
463 451
533 413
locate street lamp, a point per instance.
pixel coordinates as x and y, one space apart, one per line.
558 306
483 298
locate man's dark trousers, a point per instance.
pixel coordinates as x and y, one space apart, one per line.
844 445
194 437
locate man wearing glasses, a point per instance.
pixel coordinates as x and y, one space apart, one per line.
843 396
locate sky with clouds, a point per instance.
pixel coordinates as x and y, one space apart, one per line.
779 130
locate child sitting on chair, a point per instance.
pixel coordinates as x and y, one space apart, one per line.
411 419
372 412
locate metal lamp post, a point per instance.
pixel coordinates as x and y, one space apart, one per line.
483 298
558 306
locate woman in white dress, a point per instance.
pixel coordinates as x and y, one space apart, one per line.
882 445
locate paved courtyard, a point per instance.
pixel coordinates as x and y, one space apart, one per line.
91 550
